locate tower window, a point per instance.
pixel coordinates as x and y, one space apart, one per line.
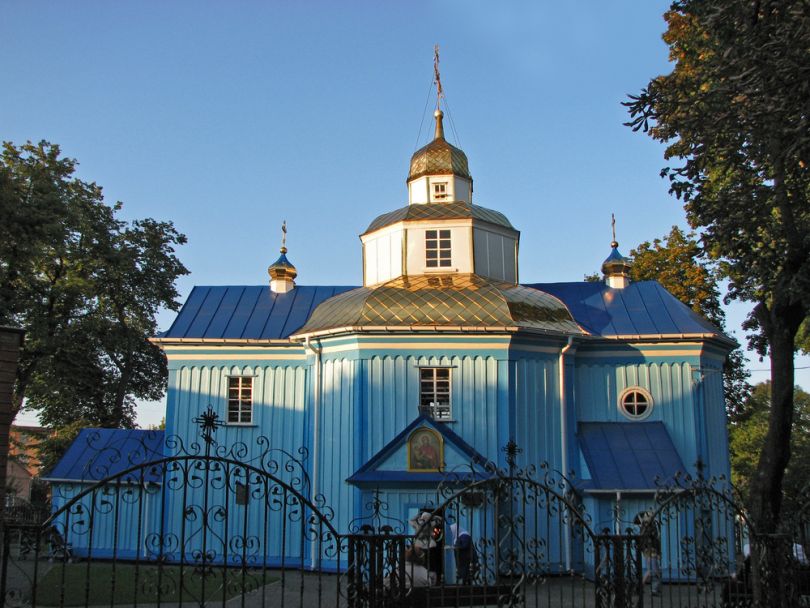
440 190
635 403
434 392
240 399
437 248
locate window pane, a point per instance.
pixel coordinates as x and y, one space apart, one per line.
431 264
431 234
442 372
444 263
444 234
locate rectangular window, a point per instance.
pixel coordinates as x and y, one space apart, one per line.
240 399
437 248
434 392
440 190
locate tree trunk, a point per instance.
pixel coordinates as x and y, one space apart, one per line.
780 323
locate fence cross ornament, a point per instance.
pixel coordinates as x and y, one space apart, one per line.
512 450
209 422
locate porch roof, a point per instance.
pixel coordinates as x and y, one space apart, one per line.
627 456
96 454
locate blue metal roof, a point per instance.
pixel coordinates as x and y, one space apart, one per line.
241 312
641 308
644 308
99 453
628 455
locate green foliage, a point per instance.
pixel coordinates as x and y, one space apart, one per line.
733 114
85 286
747 436
51 449
678 263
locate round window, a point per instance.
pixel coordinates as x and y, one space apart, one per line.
635 403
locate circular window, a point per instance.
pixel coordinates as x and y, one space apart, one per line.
635 403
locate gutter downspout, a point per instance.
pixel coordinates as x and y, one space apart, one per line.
316 404
564 441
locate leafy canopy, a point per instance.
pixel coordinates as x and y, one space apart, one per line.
747 437
86 286
734 114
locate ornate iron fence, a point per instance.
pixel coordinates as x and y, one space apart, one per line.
206 523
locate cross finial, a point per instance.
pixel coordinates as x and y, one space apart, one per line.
613 243
437 76
284 236
208 422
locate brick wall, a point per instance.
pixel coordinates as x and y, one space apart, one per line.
10 343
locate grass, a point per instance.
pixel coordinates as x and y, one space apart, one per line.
124 583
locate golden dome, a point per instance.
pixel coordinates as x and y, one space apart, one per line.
442 302
439 157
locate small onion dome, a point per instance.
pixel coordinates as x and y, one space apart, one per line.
439 157
616 268
282 273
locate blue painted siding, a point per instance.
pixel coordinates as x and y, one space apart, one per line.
598 385
337 452
108 521
716 429
537 404
391 399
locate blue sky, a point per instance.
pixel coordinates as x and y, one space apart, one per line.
229 117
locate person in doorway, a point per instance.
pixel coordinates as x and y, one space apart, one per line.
466 556
650 546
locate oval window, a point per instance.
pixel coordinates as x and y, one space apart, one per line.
635 403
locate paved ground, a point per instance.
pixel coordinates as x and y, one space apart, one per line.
294 589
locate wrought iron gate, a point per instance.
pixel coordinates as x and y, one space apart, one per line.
209 524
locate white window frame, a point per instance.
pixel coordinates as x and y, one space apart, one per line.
439 190
428 402
244 416
628 403
442 243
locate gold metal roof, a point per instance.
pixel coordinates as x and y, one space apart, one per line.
439 211
439 157
442 301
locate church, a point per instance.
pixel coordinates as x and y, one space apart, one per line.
440 359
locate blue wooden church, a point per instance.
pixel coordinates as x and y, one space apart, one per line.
441 358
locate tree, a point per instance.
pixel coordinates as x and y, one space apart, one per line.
747 437
734 115
86 286
679 264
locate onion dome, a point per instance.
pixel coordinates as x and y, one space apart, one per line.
457 302
282 274
616 268
439 157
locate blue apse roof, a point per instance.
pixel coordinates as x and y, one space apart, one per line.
628 455
99 453
242 312
642 308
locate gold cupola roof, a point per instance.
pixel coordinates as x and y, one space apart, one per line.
439 157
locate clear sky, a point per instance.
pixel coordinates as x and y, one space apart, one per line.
229 117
